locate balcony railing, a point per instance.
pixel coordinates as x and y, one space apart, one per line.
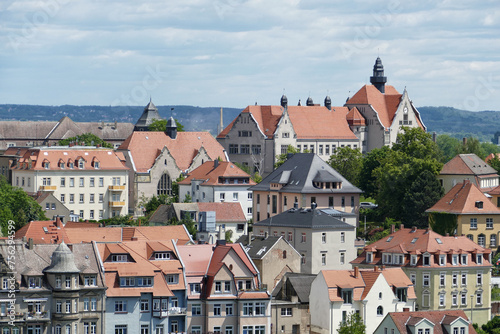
116 188
117 204
37 316
47 188
170 312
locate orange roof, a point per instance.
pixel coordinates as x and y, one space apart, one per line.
224 211
44 232
354 117
462 199
108 160
195 258
211 174
308 121
254 295
420 241
467 164
99 234
402 319
145 146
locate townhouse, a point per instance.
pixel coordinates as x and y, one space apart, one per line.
448 272
224 293
51 288
475 215
302 180
91 182
218 181
323 241
371 293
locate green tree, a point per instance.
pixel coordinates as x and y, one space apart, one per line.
449 147
86 139
472 145
348 162
443 223
492 326
16 205
161 124
370 163
256 177
416 143
352 325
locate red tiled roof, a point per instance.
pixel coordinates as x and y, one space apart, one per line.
354 117
401 319
36 231
37 156
467 164
145 146
224 211
211 175
462 198
196 258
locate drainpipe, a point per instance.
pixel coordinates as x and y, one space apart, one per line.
331 318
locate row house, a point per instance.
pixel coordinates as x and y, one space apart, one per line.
218 181
304 180
224 293
91 182
448 272
156 159
335 294
145 287
477 217
51 289
370 119
323 241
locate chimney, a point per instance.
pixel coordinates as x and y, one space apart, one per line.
464 141
414 229
356 272
58 221
401 226
314 205
393 228
30 243
375 269
249 238
216 163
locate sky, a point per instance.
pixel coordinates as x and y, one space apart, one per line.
233 53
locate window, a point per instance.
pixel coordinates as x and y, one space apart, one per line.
442 260
144 305
91 214
380 310
235 196
290 236
260 308
463 299
120 329
442 279
473 223
285 135
195 330
90 280
347 296
68 306
92 196
369 257
81 214
286 311
229 330
454 299
196 309
479 278
63 182
489 223
479 258
413 260
82 198
463 259
284 149
244 149
323 259
101 214
82 182
441 300
173 279
464 279
101 198
426 279
227 286
218 286
217 308
233 148
71 181
342 258
144 329
454 279
229 309
342 236
80 163
58 306
92 182
145 281
493 240
479 298
323 237
275 204
120 306
481 240
303 238
118 258
93 304
195 288
454 259
101 182
248 309
427 260
401 294
320 150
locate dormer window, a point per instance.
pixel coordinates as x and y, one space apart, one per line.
61 164
479 258
162 256
454 259
390 238
71 165
34 282
442 260
402 293
119 258
46 164
479 204
463 259
413 260
97 164
369 257
81 164
127 281
387 259
346 296
427 260
90 280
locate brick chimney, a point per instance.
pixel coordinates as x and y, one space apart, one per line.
414 229
356 272
58 222
393 228
375 269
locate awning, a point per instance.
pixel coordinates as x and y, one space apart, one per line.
34 300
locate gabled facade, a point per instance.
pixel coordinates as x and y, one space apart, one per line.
156 159
384 109
445 270
224 291
273 257
477 217
91 182
471 168
218 181
324 242
51 289
435 322
52 206
373 293
146 290
302 180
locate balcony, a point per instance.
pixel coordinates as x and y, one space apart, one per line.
37 316
48 188
117 204
7 317
171 312
116 188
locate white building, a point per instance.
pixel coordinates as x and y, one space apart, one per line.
372 293
91 182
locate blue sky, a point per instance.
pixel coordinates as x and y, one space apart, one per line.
233 53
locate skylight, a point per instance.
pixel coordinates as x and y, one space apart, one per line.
414 240
390 238
438 240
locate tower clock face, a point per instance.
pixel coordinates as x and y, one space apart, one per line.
405 110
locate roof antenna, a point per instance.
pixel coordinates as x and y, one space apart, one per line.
171 111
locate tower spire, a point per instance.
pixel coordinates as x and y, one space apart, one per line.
378 79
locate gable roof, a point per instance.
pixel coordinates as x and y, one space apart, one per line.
467 164
146 146
308 122
354 117
462 199
260 245
211 171
43 232
438 318
305 218
224 211
298 173
300 283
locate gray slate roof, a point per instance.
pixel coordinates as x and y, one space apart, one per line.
148 115
301 284
298 173
305 218
259 246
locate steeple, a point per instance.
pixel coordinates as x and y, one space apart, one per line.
150 112
171 129
284 101
328 102
378 79
63 261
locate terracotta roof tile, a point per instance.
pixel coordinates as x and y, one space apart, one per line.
462 198
44 232
402 319
211 174
354 117
145 146
467 164
224 211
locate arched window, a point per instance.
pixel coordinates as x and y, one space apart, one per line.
284 254
380 310
481 240
164 185
58 329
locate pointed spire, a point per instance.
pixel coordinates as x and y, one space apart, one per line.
150 112
378 79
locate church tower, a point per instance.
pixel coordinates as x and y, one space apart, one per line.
378 79
150 112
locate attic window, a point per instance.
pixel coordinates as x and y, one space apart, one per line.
81 163
414 240
438 240
162 256
119 258
390 238
46 164
71 164
97 165
61 164
479 204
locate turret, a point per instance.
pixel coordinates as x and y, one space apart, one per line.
378 79
284 101
171 129
328 102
